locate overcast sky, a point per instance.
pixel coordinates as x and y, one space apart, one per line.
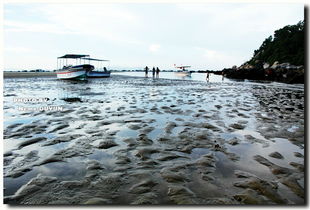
133 35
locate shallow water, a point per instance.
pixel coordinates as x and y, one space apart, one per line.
136 140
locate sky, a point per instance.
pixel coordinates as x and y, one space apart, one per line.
132 35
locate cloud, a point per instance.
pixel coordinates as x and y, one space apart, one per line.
154 47
217 59
101 20
246 17
18 49
24 26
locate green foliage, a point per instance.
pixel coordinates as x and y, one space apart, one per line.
287 45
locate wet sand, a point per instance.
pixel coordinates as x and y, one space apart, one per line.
129 140
28 74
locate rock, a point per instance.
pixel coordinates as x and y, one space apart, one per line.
276 155
266 65
275 65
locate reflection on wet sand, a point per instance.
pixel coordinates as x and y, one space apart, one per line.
130 140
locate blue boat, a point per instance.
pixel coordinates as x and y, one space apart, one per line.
99 72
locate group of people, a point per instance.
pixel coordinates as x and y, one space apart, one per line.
146 69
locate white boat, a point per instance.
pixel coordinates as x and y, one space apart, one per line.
183 70
99 72
77 72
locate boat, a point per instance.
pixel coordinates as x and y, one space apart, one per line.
182 70
72 72
99 72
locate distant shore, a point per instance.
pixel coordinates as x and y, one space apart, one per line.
27 74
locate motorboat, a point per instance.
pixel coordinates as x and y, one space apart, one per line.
182 70
99 71
75 72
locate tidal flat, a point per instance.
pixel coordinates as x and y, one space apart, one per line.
133 140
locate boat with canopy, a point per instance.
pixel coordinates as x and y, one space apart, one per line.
183 70
65 70
100 71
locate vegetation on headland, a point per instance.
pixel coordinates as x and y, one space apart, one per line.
279 58
286 46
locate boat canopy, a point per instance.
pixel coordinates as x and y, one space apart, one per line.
73 56
94 59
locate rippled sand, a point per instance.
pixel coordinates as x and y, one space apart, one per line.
126 140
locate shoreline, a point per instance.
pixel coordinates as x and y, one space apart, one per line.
27 74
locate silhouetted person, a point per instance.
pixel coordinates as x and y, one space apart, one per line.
157 72
104 69
222 76
208 76
146 71
153 72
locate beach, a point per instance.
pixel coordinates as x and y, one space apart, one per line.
134 140
27 74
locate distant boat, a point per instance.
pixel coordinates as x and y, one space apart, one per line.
183 71
97 72
77 72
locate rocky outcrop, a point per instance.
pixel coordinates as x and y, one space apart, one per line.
280 72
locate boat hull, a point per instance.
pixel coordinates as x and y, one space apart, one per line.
98 74
81 74
74 72
183 73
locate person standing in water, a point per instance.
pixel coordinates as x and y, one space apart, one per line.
208 75
153 72
146 71
157 72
